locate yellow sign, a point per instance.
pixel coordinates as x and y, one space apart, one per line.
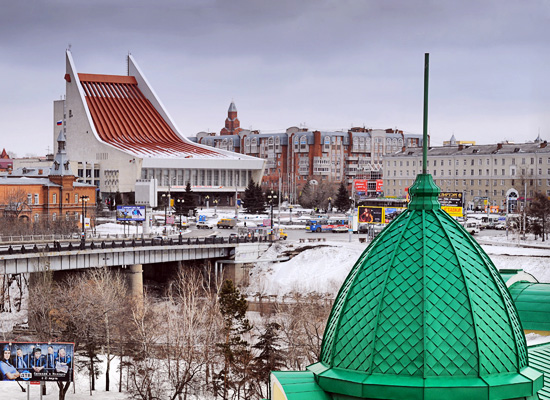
453 211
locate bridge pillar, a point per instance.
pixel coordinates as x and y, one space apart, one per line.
135 280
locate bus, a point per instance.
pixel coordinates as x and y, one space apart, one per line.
383 202
325 224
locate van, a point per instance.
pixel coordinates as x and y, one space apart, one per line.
472 227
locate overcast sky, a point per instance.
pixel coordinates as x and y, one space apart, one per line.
328 64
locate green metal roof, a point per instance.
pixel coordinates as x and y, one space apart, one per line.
299 385
533 304
539 358
424 314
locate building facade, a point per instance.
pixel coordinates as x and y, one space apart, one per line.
118 132
299 155
483 173
45 193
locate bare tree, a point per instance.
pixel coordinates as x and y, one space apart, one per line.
302 320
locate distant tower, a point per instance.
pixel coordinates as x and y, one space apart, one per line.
232 123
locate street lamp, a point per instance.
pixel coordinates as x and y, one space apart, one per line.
84 200
329 204
215 201
179 209
165 199
207 203
271 197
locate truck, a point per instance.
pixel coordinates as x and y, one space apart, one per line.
227 223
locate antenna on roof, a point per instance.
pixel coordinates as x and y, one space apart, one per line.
425 124
69 47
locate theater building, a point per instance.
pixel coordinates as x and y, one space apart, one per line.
119 132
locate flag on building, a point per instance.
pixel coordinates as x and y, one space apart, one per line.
60 122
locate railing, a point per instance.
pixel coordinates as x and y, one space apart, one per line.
57 246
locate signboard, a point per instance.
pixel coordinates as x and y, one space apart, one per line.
391 213
379 185
46 362
370 215
130 213
170 220
361 185
451 202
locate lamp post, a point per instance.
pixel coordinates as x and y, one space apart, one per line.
271 197
179 208
207 198
329 205
164 200
215 201
84 200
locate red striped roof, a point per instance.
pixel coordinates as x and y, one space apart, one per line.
126 119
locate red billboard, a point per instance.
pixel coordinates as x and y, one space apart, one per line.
379 185
361 185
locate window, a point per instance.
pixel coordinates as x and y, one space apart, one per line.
54 216
503 173
523 161
36 199
54 199
29 198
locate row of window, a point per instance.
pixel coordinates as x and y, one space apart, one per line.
471 161
76 215
35 199
197 177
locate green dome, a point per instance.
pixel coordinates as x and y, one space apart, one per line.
424 314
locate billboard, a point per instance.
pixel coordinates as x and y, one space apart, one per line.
451 202
361 185
379 185
370 215
47 362
130 213
391 213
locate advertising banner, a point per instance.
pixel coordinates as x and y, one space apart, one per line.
370 215
390 213
130 213
379 185
47 362
361 185
451 202
453 199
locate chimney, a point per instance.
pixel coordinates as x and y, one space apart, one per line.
499 146
543 144
403 149
40 172
460 147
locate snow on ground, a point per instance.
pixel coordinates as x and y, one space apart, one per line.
12 391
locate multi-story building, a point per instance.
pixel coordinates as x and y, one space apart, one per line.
483 173
45 193
298 155
119 132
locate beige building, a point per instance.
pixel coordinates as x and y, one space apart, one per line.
483 173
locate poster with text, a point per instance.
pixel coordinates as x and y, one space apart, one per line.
47 362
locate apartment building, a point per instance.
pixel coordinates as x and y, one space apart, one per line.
483 173
299 155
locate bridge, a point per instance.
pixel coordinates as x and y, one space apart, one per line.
25 258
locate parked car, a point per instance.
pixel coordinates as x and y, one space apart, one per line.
501 226
340 229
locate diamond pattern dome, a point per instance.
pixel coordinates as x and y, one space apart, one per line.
425 314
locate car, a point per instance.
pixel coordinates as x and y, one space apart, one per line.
340 229
501 226
203 225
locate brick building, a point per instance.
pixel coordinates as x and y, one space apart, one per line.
298 155
37 193
6 163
